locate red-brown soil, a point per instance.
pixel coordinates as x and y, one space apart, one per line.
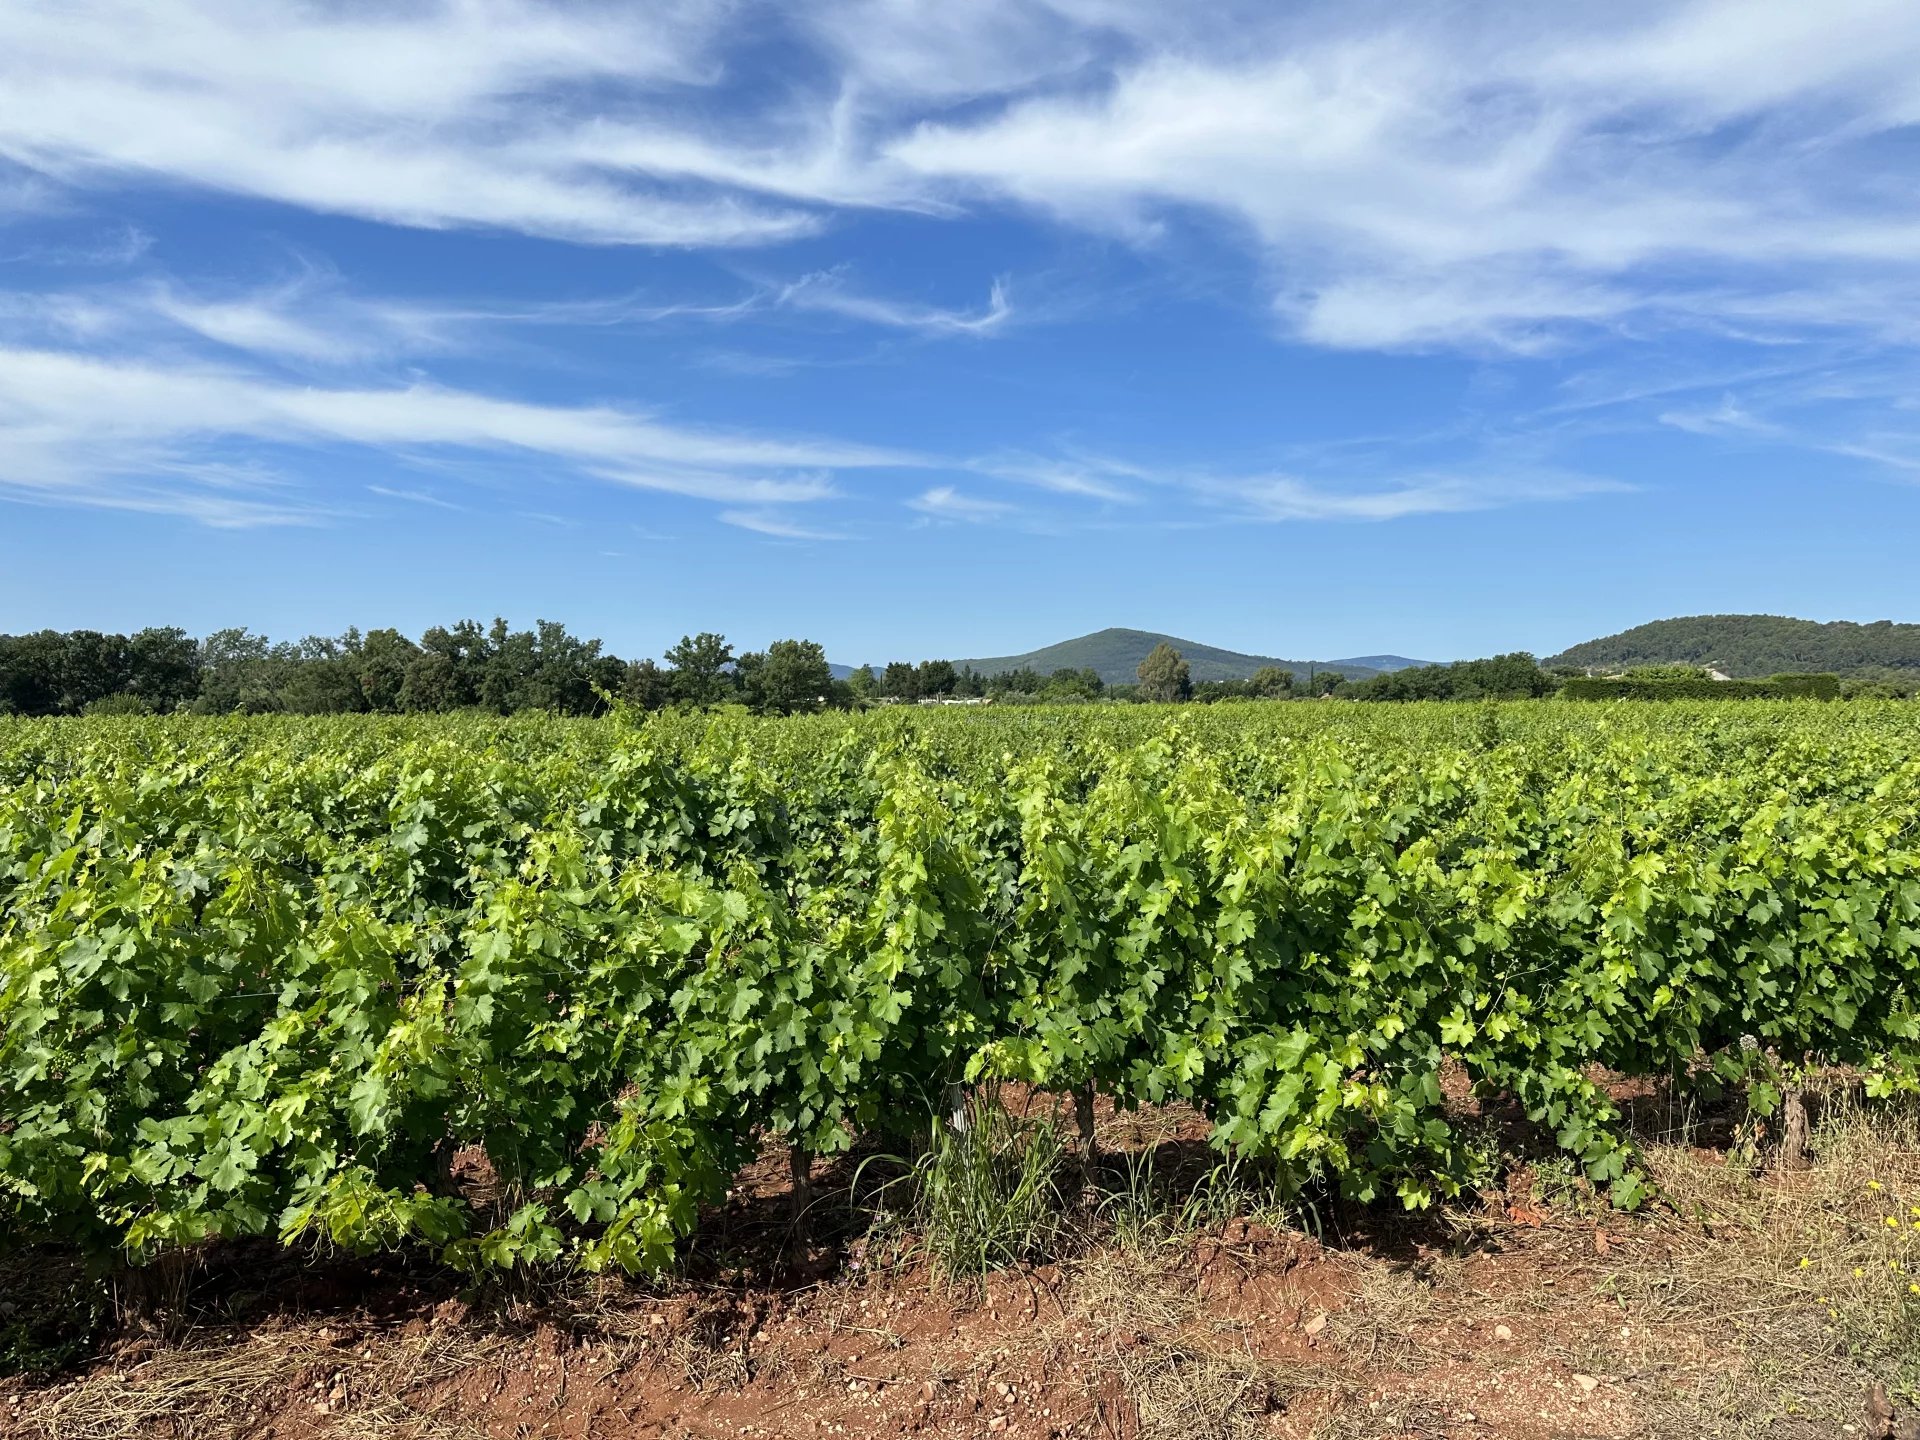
1517 1318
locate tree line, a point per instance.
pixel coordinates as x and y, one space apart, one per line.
456 667
495 668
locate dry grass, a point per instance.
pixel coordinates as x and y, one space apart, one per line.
1129 1289
215 1391
1185 1379
1809 1280
394 1419
1400 1416
196 1393
708 1363
1394 1306
1187 1391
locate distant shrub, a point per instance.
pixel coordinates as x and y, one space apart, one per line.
1669 672
117 705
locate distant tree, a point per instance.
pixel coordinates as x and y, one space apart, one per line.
1164 676
236 671
562 672
937 677
91 666
1270 682
863 686
321 679
242 673
606 675
507 667
381 667
455 682
1206 692
900 681
30 673
163 668
1328 682
793 675
1024 680
433 684
1503 677
1068 684
699 665
646 686
745 677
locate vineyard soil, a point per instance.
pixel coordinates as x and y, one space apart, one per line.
1535 1312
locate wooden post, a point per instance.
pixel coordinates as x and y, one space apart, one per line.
1083 1115
800 1168
1794 1130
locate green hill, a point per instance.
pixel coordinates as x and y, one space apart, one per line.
1115 655
1743 645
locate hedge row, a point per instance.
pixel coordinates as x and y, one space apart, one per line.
1779 687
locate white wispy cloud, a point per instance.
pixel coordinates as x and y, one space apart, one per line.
1290 498
413 497
101 430
416 115
119 246
309 318
1477 177
791 489
313 317
776 524
1072 472
1729 417
944 502
257 323
1899 453
827 292
1493 176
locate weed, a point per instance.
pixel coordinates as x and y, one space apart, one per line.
988 1193
1145 1208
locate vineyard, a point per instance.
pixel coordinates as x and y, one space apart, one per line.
271 976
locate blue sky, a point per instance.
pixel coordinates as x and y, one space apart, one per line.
923 328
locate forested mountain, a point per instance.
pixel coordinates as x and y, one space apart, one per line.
1743 645
1115 655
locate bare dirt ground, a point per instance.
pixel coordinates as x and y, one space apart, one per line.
1172 1302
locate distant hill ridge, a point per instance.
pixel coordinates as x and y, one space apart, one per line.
1115 655
1749 645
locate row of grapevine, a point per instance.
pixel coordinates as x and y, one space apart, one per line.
271 976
